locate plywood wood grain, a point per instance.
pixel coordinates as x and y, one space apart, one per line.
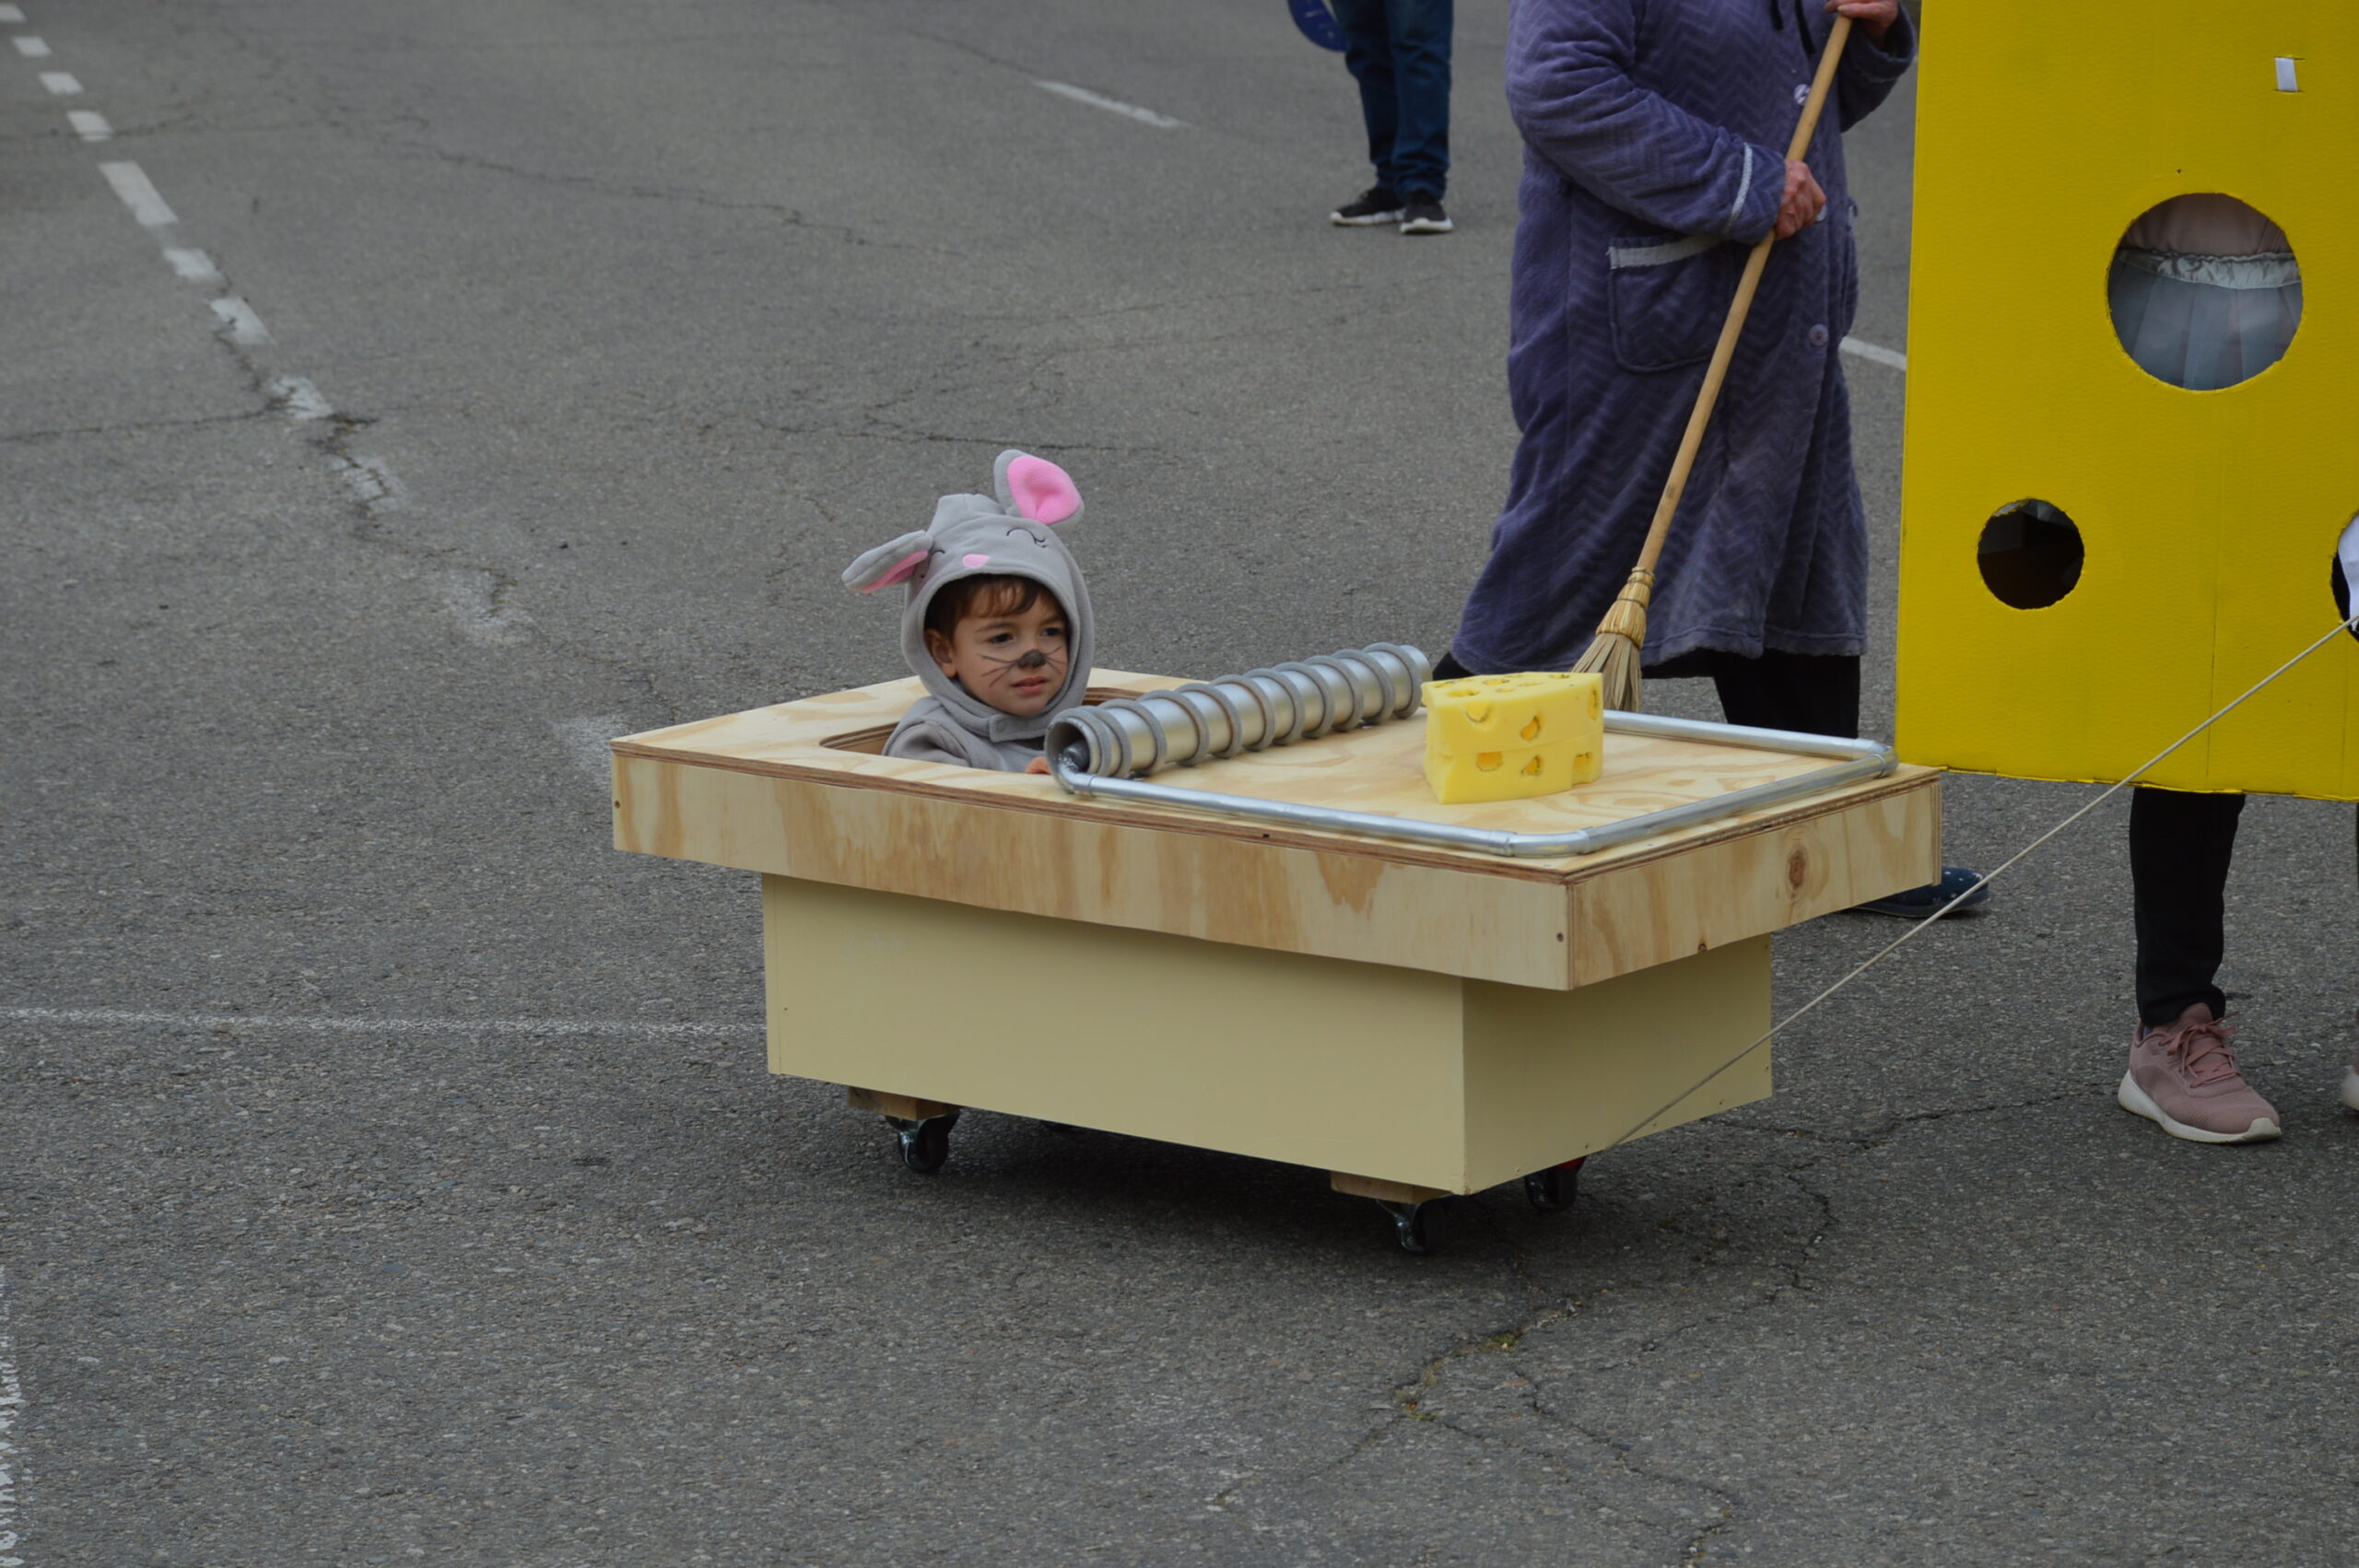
786 790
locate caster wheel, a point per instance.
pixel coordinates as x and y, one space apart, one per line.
1417 1226
1552 1189
924 1145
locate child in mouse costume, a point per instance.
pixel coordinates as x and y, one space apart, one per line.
996 622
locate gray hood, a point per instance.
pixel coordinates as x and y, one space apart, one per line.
1013 535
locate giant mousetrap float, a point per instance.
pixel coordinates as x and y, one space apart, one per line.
1296 951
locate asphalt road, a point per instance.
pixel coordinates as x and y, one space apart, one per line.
599 336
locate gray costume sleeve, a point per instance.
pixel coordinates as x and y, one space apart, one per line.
926 743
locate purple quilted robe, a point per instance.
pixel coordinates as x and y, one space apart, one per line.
1654 134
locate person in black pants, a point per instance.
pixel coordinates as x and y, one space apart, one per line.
2204 292
2182 1072
1398 51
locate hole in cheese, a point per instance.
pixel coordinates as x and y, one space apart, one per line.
1531 730
1532 768
1489 761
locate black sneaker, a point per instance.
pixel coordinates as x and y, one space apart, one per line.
1422 214
1375 205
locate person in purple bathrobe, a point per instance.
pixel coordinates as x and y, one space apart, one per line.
1653 158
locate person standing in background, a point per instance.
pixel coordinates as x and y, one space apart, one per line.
1399 53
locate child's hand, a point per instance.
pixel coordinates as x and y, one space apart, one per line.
1037 765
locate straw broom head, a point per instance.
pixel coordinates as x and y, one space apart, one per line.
1613 652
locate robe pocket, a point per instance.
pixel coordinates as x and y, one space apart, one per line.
1668 297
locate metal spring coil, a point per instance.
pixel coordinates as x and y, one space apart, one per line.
1133 737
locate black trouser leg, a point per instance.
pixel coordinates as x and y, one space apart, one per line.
1808 693
2179 849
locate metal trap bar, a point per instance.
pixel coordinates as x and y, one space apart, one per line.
1088 751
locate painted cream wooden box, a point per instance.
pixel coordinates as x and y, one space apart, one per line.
1413 1020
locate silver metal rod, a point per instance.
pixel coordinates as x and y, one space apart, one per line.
1860 760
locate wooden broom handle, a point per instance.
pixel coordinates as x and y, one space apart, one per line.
1730 330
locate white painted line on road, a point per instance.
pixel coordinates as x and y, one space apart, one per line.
30 45
118 1017
478 602
300 398
1113 106
584 741
1877 352
195 267
371 480
90 124
138 195
239 323
12 13
12 1410
61 83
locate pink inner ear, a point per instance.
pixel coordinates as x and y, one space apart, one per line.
1043 492
901 570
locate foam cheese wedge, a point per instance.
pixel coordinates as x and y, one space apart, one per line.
1505 737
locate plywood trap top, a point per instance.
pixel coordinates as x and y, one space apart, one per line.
800 790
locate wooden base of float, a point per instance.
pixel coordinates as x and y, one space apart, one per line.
1415 1021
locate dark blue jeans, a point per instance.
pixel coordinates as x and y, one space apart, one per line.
1399 53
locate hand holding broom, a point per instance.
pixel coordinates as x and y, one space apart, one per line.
1622 633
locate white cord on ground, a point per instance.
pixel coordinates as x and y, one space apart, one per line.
1989 877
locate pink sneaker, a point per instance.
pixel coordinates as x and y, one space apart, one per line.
2183 1076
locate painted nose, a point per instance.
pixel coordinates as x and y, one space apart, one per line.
1032 661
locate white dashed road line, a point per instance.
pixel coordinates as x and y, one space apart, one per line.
300 398
1877 352
584 740
30 46
138 195
118 1017
1113 106
61 83
239 323
194 266
12 1412
12 14
371 481
90 124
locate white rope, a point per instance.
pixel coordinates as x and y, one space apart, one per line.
1986 880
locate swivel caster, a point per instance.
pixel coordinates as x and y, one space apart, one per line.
1417 1226
924 1145
1552 1189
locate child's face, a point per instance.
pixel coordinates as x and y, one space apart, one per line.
1016 663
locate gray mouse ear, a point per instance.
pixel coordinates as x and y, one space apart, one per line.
889 564
1036 489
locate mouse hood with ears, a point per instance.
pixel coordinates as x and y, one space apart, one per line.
1013 535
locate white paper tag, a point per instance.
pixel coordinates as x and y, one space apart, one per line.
2349 551
2286 79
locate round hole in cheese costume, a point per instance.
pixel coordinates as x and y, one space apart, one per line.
2030 554
2205 292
